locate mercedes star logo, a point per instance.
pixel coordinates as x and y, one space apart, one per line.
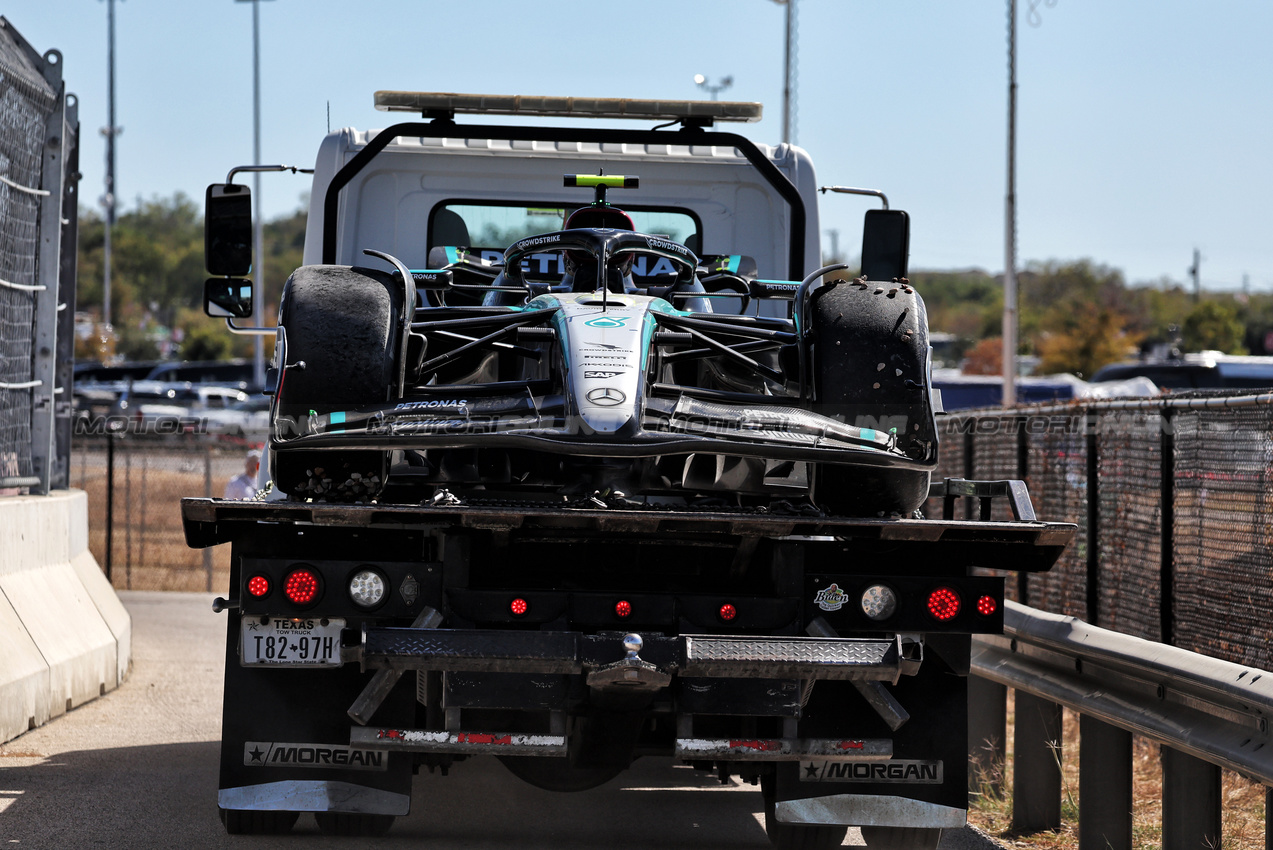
606 396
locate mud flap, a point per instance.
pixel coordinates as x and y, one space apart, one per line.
285 742
925 783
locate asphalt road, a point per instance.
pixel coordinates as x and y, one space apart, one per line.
138 769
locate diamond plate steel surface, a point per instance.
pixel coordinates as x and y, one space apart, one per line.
478 650
711 655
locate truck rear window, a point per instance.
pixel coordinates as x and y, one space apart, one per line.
491 227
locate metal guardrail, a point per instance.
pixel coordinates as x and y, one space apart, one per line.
1208 714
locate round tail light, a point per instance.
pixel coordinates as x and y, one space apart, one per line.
518 607
727 612
623 609
943 604
367 588
258 586
879 602
301 586
987 605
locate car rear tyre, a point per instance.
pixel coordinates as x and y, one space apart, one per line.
343 323
350 823
790 836
901 837
239 822
868 356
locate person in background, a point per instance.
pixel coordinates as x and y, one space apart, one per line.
243 485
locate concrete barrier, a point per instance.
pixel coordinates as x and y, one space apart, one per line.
65 638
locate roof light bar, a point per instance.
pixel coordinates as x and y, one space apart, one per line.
431 104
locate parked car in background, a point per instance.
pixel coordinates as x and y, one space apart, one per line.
249 419
147 408
1202 371
230 373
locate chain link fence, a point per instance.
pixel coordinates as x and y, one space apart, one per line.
135 485
38 157
1173 505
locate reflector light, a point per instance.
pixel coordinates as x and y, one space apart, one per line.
367 588
943 603
987 605
879 602
727 612
518 607
301 586
258 586
623 609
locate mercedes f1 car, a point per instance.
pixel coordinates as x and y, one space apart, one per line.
698 384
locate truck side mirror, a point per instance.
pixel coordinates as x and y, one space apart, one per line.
227 229
886 244
227 298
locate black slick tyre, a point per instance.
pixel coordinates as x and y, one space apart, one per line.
342 322
868 359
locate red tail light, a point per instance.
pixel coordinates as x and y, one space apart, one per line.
727 612
987 605
518 607
301 586
943 604
258 586
623 609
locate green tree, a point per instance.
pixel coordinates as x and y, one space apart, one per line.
1090 338
1213 325
157 274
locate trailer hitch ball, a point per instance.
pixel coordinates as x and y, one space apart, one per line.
633 644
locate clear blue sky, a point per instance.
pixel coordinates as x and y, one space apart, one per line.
1145 129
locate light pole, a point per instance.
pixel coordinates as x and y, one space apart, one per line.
110 131
701 82
1010 225
787 51
258 235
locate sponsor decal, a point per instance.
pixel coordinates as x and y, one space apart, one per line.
665 245
897 771
533 241
434 404
831 598
594 373
755 744
591 344
275 754
607 321
606 396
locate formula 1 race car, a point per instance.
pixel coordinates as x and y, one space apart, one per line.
564 373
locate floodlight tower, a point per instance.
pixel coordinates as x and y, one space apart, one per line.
702 83
258 235
110 131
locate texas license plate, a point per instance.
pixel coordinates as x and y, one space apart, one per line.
286 642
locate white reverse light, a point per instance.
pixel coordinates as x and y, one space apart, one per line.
879 602
367 588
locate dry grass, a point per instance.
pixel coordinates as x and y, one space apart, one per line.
1242 818
150 551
